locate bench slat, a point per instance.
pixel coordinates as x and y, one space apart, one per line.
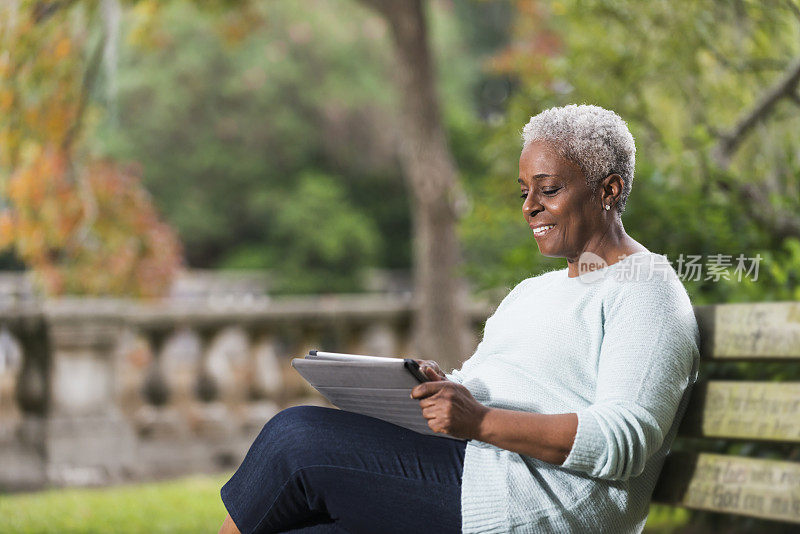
769 330
744 410
768 489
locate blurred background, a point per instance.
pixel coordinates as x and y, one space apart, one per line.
193 192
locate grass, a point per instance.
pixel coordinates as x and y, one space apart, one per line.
188 505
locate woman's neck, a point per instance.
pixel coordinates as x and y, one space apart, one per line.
605 249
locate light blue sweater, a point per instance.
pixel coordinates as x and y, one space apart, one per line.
622 353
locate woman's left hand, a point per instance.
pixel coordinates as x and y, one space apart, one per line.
450 408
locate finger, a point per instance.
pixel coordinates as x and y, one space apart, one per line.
433 425
432 364
431 373
426 389
436 426
427 402
429 412
420 391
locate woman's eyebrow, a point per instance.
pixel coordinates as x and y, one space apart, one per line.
537 176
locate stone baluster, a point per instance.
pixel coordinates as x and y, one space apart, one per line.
206 387
22 452
352 338
380 339
134 360
160 423
230 363
333 336
156 389
32 388
212 420
87 440
302 339
196 398
287 342
266 380
405 345
10 378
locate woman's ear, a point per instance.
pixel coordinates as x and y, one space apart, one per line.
611 189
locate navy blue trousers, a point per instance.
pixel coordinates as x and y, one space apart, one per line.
319 470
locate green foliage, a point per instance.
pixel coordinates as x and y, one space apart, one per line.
778 277
225 129
222 129
326 242
666 520
681 77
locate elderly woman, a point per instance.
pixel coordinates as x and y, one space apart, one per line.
569 404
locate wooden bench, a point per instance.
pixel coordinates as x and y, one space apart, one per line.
755 417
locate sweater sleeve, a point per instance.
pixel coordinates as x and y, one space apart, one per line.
647 357
455 376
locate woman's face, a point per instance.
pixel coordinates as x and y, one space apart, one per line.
556 196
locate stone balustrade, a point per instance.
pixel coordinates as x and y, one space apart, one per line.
96 391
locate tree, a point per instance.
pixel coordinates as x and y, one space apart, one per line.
225 131
431 175
84 224
326 242
708 91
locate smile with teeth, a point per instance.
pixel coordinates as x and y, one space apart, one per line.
541 230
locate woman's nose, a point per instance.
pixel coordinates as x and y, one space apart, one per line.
531 205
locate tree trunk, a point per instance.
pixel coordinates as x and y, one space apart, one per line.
440 325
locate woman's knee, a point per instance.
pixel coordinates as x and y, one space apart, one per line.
293 435
297 419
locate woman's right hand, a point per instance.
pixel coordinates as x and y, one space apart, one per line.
431 369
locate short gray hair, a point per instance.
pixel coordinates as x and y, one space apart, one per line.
596 139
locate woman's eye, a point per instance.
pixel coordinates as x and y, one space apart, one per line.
548 192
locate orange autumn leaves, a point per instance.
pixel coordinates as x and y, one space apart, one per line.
84 225
99 235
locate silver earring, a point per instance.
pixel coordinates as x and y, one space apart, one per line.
608 207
